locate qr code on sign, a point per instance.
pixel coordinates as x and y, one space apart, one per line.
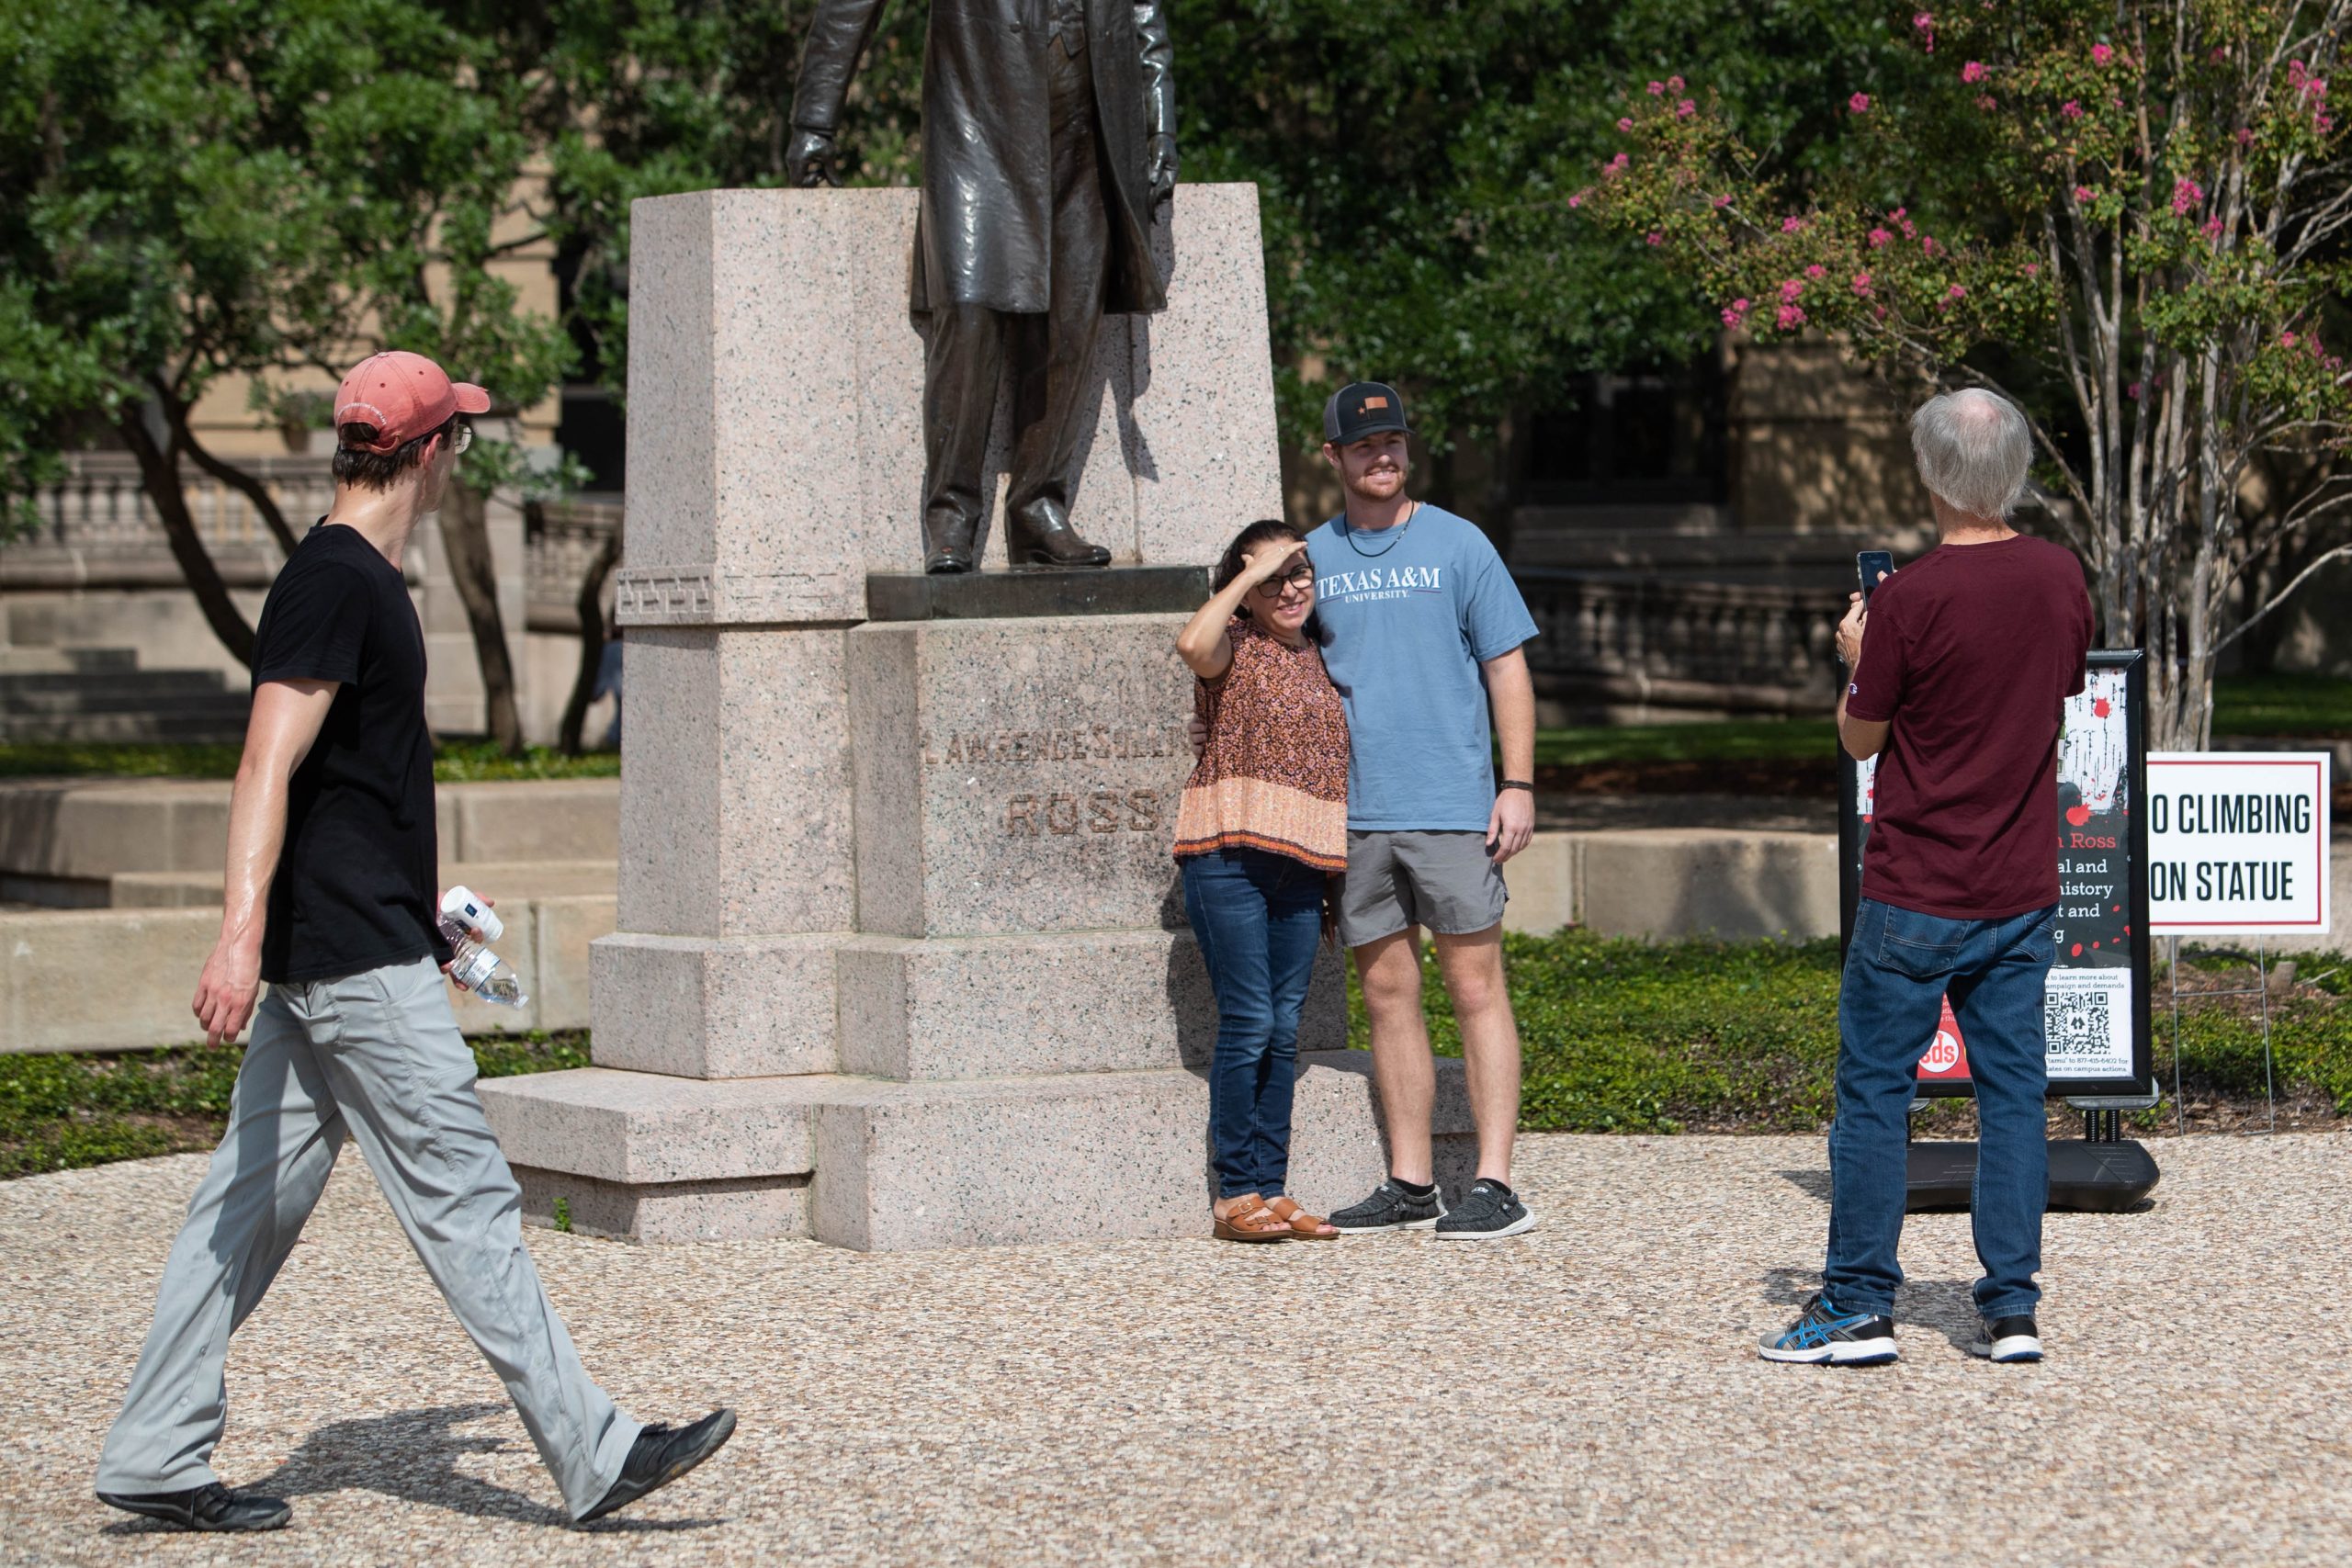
2078 1023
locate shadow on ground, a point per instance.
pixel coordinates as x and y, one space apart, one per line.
413 1455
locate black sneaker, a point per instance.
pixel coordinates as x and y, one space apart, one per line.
1490 1212
1822 1333
662 1454
211 1506
2006 1339
1390 1208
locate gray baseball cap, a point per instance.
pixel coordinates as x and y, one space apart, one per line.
1362 409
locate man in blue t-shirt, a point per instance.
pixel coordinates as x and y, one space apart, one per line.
1422 628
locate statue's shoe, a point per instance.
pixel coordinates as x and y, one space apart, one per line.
952 545
1039 535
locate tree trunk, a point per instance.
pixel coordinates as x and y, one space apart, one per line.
592 643
159 474
465 537
273 516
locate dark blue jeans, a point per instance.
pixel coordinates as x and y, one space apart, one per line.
1257 917
1899 968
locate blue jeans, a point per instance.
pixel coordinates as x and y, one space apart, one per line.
1899 968
1257 917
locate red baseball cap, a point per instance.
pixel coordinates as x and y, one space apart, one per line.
404 396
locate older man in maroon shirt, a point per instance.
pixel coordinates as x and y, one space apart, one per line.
1972 653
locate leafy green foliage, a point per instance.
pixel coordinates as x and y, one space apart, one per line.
1619 1035
2129 215
1773 739
2283 704
208 186
1415 162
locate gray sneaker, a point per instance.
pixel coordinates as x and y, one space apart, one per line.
1490 1212
1390 1208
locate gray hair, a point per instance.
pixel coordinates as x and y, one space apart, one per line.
1973 448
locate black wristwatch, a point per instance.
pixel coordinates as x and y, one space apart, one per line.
1515 784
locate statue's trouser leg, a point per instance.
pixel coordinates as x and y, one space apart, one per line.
1053 355
964 365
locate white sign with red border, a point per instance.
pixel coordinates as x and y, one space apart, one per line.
2237 842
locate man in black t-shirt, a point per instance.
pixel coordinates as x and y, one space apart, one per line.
329 901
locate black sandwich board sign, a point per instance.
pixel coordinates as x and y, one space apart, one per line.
2097 1011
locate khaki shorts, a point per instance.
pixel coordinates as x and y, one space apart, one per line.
1445 881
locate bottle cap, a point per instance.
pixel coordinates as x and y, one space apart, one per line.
461 905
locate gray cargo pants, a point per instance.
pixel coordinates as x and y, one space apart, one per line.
374 1056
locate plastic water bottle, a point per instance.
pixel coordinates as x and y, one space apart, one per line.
470 925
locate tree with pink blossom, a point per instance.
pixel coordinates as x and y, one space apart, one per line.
2134 218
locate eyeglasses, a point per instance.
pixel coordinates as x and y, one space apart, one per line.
460 438
1300 576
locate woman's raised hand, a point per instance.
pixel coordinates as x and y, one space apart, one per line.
1269 558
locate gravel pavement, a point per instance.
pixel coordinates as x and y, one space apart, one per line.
1587 1394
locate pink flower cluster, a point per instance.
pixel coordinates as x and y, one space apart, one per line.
1859 103
2187 195
2071 108
1736 314
1615 167
1791 291
1657 89
1862 285
1655 236
2101 54
1685 109
2085 194
1580 197
1625 124
1816 270
2311 345
1880 237
2309 92
1972 73
1925 22
1790 317
1792 224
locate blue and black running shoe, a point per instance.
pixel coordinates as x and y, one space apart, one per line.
1822 1333
2006 1339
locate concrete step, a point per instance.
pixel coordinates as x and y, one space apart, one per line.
167 703
97 830
108 699
107 680
143 727
123 979
508 882
56 660
884 1166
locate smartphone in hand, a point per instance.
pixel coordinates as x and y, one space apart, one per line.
1869 566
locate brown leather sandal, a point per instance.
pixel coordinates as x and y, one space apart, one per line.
1249 1220
1304 1226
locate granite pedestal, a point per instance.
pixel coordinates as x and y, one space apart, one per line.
901 960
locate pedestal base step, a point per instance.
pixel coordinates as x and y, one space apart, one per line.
886 1166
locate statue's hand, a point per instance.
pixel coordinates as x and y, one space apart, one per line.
1163 170
809 159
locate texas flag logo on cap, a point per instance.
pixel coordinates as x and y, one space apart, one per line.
402 396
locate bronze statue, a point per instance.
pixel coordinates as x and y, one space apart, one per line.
1049 146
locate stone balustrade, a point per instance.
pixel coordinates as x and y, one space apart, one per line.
560 544
1624 637
97 529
